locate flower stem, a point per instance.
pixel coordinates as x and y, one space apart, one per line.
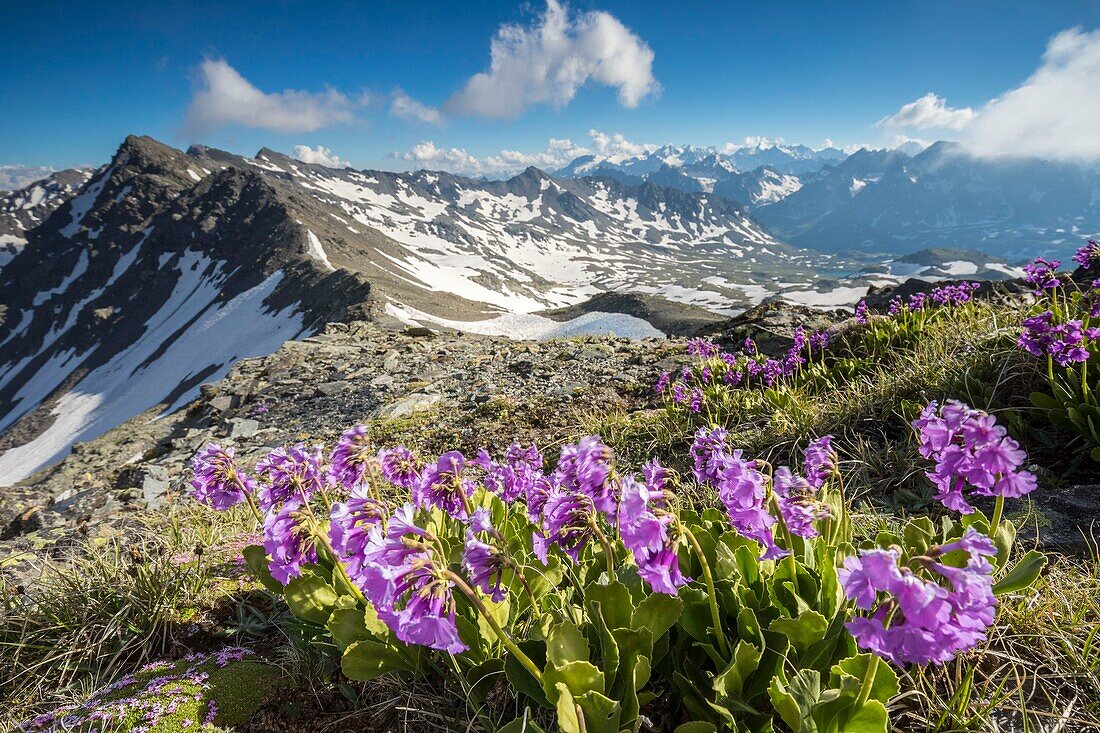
527 587
998 510
606 548
509 644
713 596
868 682
255 510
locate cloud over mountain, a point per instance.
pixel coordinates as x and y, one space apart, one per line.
547 63
1055 113
223 97
929 112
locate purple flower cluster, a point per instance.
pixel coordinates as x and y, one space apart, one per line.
290 473
716 367
1042 273
741 487
970 450
484 562
645 528
349 457
512 478
288 539
443 486
915 620
861 313
1064 342
1088 257
402 576
217 480
941 297
399 466
702 347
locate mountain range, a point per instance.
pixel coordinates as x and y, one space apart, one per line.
125 288
880 203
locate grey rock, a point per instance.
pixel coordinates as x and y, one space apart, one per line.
409 406
154 485
243 428
331 389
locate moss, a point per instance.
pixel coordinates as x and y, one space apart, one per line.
177 697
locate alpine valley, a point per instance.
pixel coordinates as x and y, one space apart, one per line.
125 288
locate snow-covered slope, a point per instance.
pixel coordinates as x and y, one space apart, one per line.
27 207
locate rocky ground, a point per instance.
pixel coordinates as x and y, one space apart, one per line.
412 385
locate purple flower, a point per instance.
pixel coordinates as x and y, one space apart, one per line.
218 482
819 461
749 346
1042 273
706 450
442 486
894 307
797 502
1065 342
350 525
696 400
293 473
970 449
568 521
679 393
1088 257
702 347
743 490
408 586
349 457
644 528
399 466
928 622
662 383
288 539
514 477
585 468
861 313
485 563
819 340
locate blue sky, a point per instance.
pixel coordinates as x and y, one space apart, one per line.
81 76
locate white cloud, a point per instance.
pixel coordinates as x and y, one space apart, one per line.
223 97
457 160
930 111
910 142
407 108
752 141
615 146
548 62
1055 113
319 156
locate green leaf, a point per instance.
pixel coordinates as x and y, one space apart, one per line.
696 726
1022 575
310 598
255 557
518 675
803 631
569 720
1044 401
365 660
659 612
566 644
794 701
871 718
601 714
614 600
609 648
579 677
851 671
731 682
347 626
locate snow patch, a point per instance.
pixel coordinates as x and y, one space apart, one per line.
531 327
316 251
